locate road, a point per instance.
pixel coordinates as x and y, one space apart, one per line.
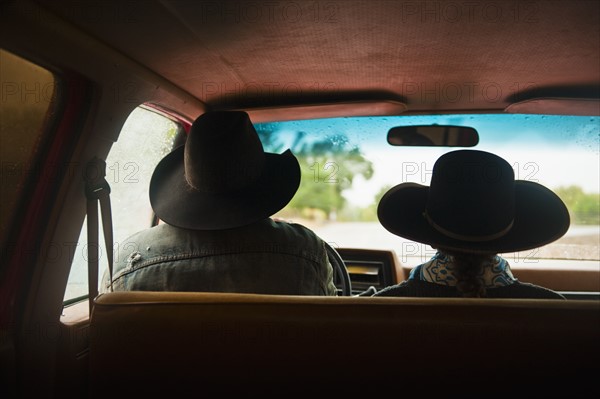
580 242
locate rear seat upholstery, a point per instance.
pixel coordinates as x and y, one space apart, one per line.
166 343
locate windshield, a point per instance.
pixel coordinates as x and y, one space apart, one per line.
347 165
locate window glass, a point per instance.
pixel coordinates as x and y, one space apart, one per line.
26 106
347 165
145 138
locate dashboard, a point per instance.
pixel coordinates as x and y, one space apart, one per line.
371 268
381 268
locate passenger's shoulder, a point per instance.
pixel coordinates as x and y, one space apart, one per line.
534 291
395 290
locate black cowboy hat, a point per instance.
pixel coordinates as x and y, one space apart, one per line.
222 178
474 204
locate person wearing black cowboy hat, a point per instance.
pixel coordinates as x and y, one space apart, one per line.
473 210
215 195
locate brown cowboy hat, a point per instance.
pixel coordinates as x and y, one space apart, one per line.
222 178
474 204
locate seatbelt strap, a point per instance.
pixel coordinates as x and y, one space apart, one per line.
97 190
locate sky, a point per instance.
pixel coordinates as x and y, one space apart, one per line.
552 150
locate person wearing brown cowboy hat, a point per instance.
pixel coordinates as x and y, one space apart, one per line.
215 195
473 210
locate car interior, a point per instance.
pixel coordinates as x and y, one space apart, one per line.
102 90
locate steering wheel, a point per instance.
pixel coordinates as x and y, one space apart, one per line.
340 273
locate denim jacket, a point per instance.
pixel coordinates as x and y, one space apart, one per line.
267 257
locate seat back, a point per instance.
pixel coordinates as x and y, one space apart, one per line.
182 343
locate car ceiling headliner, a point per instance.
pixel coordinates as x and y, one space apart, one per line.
417 57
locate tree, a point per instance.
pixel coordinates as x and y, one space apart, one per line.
584 208
328 167
369 213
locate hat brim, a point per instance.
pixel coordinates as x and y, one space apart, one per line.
178 204
540 218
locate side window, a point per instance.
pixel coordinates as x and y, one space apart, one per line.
145 138
26 105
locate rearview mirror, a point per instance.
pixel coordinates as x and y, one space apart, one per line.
433 135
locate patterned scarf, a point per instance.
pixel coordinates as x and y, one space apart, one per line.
440 270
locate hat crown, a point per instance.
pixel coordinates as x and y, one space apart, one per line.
223 152
471 196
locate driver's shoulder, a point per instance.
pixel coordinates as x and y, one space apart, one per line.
294 230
